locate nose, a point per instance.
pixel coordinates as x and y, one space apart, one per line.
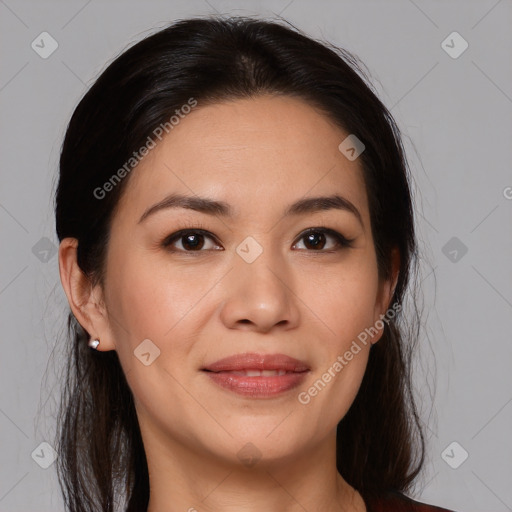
259 296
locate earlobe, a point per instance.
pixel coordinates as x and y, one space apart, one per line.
84 300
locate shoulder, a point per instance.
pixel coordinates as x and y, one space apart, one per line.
398 502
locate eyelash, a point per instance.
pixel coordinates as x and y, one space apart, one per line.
198 228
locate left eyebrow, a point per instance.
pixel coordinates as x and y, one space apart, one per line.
323 203
212 207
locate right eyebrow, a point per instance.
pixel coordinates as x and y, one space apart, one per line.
199 204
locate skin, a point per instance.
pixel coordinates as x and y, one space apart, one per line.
259 155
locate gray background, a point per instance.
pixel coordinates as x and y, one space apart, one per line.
456 116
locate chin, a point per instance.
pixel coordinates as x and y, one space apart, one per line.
263 440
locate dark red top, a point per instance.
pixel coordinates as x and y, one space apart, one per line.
398 502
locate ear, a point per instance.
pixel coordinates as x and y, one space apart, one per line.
86 302
385 294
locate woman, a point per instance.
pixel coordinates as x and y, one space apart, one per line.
237 237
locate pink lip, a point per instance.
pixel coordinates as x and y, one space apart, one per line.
252 361
221 372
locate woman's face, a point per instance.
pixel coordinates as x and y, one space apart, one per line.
253 281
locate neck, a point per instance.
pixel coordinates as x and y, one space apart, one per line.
185 480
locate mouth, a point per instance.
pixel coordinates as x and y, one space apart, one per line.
258 362
258 375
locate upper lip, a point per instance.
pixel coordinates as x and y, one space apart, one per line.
252 361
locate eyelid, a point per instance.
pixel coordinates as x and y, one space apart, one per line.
197 228
342 241
177 235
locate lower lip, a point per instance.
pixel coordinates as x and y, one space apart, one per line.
258 387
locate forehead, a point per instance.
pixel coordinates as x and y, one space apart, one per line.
257 152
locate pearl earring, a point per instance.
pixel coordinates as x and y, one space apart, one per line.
94 344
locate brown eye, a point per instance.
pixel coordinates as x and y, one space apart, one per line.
197 240
315 239
190 241
193 241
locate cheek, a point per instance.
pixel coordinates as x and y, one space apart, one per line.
151 300
146 304
343 301
345 310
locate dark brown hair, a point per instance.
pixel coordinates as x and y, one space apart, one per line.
102 458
